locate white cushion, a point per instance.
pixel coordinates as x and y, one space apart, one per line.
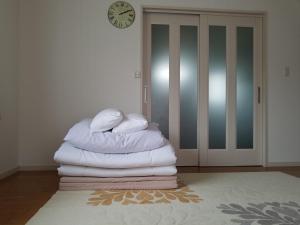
67 154
132 123
106 120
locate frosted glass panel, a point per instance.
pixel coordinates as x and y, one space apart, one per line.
244 103
217 87
188 86
160 77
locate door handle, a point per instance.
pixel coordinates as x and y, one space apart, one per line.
258 95
145 94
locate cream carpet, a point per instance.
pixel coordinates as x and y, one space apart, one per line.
208 198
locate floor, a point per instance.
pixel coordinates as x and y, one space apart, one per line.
22 194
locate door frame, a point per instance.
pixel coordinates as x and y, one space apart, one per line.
263 85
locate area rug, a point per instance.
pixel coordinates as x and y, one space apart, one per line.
253 198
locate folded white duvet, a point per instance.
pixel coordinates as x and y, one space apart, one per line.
67 154
81 136
81 171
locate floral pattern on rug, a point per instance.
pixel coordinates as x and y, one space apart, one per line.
126 197
267 213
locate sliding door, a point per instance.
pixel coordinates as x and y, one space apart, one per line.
232 74
171 87
202 86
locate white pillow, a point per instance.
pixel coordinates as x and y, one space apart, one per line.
106 120
132 123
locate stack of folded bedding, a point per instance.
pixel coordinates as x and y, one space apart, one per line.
113 151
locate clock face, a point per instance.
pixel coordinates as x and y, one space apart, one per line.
121 14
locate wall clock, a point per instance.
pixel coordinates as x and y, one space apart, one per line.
121 14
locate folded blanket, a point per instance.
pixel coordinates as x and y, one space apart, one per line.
169 184
81 171
67 154
114 179
80 136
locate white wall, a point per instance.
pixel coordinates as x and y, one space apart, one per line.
73 63
8 85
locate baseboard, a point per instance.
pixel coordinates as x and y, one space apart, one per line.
282 164
9 172
12 171
37 168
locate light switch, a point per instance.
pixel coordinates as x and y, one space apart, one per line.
137 74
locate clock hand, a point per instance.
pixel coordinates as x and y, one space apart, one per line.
125 12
